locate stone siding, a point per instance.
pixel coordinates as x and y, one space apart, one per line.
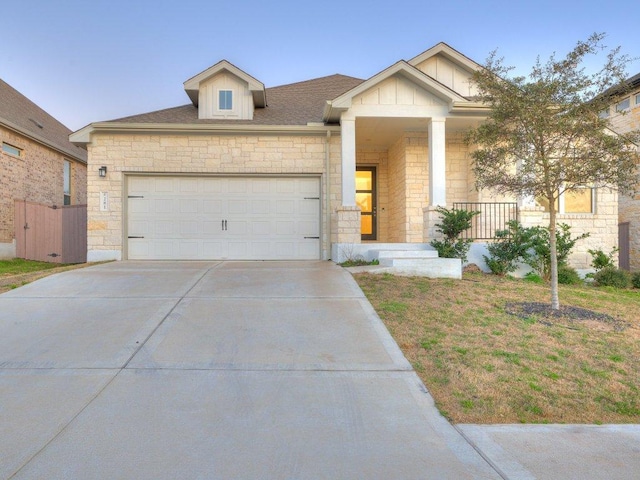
629 205
35 176
197 154
602 226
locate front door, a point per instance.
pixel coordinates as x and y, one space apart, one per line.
366 200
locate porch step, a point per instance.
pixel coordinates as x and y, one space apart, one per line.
391 257
417 262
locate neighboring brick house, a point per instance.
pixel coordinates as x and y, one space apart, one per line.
624 115
312 170
38 163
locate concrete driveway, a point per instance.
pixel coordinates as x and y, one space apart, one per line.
205 370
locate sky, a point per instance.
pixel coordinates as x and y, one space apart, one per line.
87 61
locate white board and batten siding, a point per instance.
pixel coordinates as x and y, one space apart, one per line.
449 74
223 218
209 95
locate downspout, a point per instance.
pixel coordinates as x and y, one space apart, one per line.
327 199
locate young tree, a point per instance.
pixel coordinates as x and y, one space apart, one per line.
544 135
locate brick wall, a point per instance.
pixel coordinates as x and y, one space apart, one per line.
37 176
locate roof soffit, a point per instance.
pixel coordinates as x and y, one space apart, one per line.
257 89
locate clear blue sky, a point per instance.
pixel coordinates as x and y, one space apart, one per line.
85 61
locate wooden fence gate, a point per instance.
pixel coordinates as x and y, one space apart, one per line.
51 234
623 244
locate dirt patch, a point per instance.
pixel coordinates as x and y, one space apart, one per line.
568 316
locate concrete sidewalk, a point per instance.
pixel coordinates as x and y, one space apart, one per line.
252 370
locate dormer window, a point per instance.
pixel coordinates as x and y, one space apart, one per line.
225 100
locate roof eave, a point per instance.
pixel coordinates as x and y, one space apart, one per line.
41 140
83 136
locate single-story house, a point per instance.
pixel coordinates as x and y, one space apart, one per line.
321 169
624 115
38 163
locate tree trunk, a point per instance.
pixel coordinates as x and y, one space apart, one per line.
553 253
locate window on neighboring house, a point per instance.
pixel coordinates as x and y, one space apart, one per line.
11 150
225 99
67 182
604 113
576 201
623 105
637 99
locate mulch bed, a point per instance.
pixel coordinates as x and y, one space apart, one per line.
567 316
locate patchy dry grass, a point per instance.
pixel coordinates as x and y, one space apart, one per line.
483 365
18 272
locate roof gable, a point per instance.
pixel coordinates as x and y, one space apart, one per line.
403 69
448 67
192 86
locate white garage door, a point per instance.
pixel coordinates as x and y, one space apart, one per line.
216 218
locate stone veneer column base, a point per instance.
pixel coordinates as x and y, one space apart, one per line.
348 228
430 218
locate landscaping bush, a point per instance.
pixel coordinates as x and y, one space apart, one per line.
635 280
600 260
533 277
510 246
454 222
539 257
568 275
612 277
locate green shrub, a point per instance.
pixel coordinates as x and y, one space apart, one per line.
600 260
539 257
612 277
568 275
509 247
454 222
635 280
533 277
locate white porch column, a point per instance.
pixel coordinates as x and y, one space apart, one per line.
437 170
348 133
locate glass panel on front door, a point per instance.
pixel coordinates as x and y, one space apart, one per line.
366 200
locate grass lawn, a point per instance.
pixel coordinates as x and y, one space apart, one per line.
17 266
484 365
17 272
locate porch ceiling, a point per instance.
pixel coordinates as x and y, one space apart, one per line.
384 131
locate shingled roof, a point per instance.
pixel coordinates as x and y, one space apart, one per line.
294 104
20 114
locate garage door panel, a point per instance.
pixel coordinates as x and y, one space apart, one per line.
164 185
223 218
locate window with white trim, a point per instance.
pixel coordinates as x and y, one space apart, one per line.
637 99
225 99
11 150
66 180
575 201
623 105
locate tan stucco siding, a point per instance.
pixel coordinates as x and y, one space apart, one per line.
196 154
35 176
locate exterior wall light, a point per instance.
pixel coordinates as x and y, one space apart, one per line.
102 171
